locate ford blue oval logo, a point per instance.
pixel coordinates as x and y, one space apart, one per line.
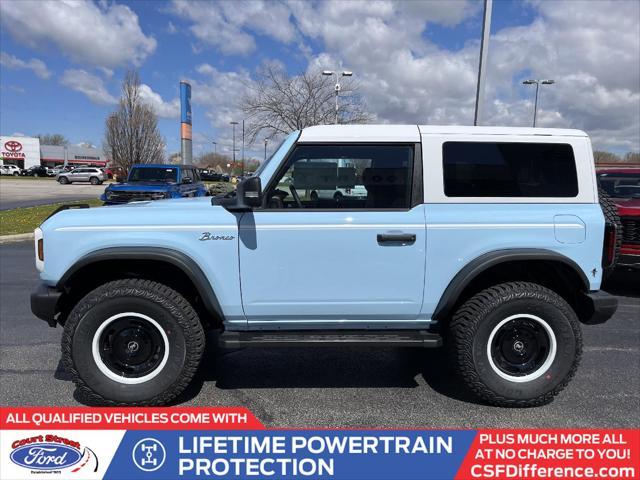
45 456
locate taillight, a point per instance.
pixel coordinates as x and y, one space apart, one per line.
609 248
41 250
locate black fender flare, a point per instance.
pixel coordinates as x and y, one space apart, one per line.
161 254
475 267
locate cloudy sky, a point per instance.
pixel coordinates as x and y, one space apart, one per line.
416 61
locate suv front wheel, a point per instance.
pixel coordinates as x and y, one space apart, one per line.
132 342
516 344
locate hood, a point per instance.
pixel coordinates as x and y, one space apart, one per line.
140 186
157 212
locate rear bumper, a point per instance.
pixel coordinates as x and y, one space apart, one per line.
597 307
44 303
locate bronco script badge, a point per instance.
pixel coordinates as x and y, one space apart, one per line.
210 236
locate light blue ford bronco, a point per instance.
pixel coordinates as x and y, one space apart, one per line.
489 241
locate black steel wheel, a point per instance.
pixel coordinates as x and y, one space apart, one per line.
521 346
131 345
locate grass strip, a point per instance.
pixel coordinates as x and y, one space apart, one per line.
26 219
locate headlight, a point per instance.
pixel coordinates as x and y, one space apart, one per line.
109 194
39 246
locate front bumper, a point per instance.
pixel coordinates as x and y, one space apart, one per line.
597 307
44 303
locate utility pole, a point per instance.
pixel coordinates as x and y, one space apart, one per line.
242 173
537 84
482 65
328 73
265 149
234 142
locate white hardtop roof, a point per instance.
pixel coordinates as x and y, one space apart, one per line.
411 133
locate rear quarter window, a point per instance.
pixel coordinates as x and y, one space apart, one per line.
509 169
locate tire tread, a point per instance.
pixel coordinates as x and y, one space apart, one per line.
153 291
465 322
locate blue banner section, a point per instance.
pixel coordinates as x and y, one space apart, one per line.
354 454
185 103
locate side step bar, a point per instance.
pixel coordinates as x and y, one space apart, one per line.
315 338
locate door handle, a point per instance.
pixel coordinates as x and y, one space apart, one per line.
397 238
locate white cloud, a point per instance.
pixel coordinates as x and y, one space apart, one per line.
104 34
154 100
590 48
217 93
36 66
226 25
88 84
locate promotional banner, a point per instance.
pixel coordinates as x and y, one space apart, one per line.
168 443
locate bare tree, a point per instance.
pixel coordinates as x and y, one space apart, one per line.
131 132
53 139
277 103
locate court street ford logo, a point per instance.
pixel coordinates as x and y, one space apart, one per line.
46 453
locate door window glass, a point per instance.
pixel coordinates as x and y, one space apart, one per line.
345 176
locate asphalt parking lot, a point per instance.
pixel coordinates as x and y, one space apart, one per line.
26 192
337 387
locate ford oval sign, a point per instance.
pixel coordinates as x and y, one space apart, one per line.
45 456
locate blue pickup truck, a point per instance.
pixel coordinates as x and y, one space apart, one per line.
156 182
490 241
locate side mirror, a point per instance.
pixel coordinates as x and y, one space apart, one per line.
248 195
249 192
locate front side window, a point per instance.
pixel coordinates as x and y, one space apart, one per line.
345 176
493 169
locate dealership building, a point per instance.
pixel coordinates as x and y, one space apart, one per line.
26 152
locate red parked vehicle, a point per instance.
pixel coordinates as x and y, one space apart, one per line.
623 186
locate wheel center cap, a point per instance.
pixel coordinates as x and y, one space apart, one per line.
518 346
132 346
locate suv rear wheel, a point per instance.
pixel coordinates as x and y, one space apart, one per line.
516 344
132 342
94 180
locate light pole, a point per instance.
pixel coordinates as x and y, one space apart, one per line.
265 149
234 142
242 173
215 148
482 63
537 84
345 73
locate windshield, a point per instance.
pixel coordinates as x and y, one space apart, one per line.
621 185
266 168
151 174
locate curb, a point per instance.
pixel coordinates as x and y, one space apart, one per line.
15 238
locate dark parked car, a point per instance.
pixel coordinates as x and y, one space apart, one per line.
37 171
156 182
210 176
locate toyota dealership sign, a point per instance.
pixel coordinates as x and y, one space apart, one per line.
21 151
